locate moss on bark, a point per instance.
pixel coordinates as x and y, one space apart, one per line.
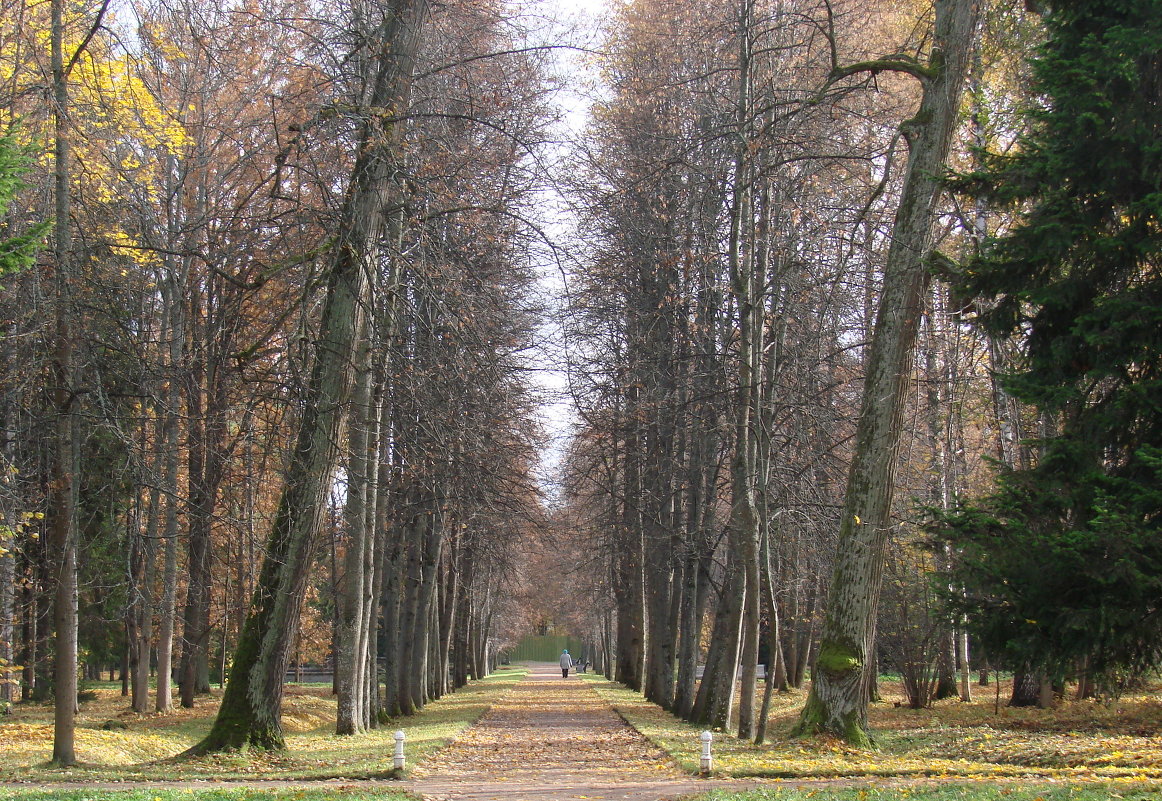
848 727
838 659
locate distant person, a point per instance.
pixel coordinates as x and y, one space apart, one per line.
566 663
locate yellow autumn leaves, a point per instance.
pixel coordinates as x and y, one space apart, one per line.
120 133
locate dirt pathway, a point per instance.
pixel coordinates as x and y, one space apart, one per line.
551 739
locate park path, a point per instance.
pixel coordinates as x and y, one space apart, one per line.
551 739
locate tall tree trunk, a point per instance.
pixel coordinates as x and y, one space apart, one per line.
351 651
627 589
140 611
748 292
774 648
376 555
447 619
8 669
390 599
7 625
690 631
838 700
63 497
175 328
29 637
422 635
408 617
251 706
715 700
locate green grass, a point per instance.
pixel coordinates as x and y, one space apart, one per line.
217 794
953 792
1077 742
146 750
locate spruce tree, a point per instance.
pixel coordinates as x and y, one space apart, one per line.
19 251
1062 563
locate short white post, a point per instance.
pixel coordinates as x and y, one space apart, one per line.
707 760
399 738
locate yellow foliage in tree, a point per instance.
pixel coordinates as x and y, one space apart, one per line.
121 134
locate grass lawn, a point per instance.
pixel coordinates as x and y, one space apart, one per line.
114 743
944 792
1079 741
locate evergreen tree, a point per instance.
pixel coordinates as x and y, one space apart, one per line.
16 252
1062 563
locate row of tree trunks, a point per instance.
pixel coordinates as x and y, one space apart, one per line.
251 707
741 244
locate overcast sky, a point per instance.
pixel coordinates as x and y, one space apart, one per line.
556 414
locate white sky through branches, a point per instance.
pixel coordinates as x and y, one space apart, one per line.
578 22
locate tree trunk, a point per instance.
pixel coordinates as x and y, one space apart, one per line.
206 398
376 554
748 290
715 700
7 629
63 493
172 293
251 707
408 618
351 650
773 647
29 636
8 669
140 611
421 635
1026 689
627 588
965 668
838 700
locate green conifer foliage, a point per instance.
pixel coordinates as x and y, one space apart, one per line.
16 252
1063 562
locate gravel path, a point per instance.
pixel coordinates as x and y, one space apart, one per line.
552 739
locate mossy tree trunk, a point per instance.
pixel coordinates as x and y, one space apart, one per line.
838 700
250 714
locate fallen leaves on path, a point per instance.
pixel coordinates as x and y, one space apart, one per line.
547 726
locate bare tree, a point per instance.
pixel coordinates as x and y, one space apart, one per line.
250 711
839 690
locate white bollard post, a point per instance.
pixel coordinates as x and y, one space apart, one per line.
399 761
707 760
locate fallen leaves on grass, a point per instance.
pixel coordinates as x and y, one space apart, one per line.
29 743
1077 740
313 751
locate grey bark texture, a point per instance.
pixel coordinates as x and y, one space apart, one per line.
839 692
251 707
63 496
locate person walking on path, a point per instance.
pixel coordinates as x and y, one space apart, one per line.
566 663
